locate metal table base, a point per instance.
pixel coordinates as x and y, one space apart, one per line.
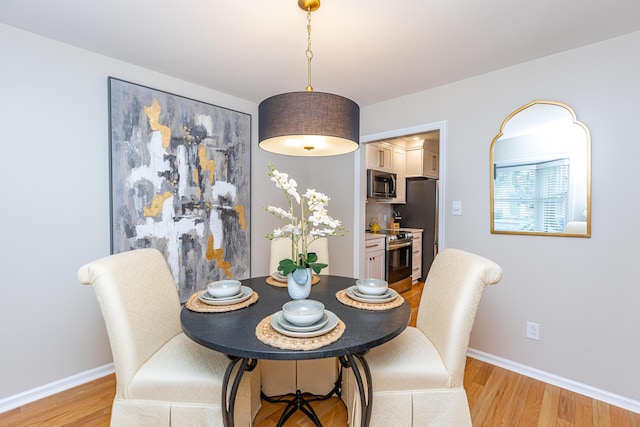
302 402
298 402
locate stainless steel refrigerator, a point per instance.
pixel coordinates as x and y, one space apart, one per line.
421 211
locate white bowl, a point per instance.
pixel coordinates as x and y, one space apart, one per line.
303 312
372 286
223 288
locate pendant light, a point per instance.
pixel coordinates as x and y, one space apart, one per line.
308 123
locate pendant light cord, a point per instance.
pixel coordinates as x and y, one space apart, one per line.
309 52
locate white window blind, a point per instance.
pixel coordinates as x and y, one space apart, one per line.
531 197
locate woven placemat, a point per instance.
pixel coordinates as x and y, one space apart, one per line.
269 336
273 282
195 304
346 300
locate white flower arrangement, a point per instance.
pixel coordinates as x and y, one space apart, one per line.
313 223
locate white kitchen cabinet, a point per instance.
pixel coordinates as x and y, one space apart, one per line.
398 169
401 182
375 250
379 157
416 259
421 162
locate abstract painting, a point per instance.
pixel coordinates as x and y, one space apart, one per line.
180 183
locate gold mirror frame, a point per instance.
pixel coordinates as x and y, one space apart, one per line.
537 107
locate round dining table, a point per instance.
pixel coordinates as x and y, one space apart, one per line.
234 334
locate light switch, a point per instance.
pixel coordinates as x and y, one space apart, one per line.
456 207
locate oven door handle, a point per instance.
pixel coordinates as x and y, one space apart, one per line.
399 245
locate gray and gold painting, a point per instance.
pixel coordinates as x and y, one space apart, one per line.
180 182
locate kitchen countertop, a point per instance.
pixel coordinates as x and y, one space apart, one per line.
369 236
414 230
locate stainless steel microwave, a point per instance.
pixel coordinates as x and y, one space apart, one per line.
381 185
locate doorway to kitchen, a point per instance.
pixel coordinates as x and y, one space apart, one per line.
423 149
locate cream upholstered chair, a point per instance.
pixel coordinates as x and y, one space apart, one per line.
313 376
162 377
418 376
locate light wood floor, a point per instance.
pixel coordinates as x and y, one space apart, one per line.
497 397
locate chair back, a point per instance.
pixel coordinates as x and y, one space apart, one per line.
139 303
281 249
449 303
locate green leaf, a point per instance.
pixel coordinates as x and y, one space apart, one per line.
286 266
317 266
312 257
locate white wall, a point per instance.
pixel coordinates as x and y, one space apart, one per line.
55 202
583 292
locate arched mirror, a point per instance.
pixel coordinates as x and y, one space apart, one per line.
541 173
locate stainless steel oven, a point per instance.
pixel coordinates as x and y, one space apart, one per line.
399 259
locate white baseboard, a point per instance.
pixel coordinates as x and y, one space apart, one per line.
576 387
41 392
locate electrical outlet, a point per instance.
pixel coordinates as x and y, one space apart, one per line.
533 331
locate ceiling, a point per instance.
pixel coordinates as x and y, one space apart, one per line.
369 51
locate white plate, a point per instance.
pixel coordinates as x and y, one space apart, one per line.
246 293
208 297
297 328
365 296
331 323
354 296
279 277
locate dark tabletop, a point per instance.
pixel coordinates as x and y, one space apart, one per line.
234 333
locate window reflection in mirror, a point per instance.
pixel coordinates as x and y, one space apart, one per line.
541 173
